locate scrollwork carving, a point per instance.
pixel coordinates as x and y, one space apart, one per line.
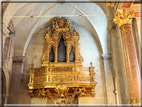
60 91
83 78
62 78
62 69
39 79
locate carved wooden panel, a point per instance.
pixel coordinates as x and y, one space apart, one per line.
83 78
40 79
62 69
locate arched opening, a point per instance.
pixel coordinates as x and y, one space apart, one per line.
72 55
61 51
51 55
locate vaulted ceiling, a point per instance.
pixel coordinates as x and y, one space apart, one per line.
29 18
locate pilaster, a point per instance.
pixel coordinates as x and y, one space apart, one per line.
109 78
15 80
124 19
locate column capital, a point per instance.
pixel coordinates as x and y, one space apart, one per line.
123 17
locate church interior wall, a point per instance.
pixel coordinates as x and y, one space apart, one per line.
95 41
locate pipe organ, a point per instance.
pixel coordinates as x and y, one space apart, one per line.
67 80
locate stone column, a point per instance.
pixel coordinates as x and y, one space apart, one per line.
124 19
15 80
109 78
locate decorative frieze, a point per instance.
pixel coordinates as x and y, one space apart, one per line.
40 79
62 69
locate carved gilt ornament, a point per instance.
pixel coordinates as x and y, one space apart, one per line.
55 80
123 17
